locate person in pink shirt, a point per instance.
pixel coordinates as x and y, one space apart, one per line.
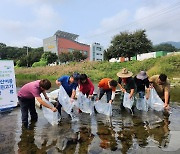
27 95
86 86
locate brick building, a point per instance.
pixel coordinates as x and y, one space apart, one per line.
65 42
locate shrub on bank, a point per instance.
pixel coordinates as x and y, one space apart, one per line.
98 70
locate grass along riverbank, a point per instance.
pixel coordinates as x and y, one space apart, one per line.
170 65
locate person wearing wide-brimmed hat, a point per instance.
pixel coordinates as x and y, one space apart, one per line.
142 82
126 82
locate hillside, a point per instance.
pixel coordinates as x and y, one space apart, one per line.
96 70
175 44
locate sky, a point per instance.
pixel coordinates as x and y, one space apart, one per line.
28 22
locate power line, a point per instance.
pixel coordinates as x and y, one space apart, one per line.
163 11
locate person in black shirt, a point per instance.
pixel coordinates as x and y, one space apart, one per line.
126 83
142 83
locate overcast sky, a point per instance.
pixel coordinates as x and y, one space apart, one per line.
28 22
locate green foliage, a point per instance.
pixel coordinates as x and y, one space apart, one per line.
164 47
64 57
22 62
97 70
40 63
129 44
75 56
78 56
49 57
21 56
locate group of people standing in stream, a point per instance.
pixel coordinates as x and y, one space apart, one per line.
138 85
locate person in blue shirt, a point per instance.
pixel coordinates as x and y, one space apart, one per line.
70 84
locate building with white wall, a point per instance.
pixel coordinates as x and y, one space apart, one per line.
96 52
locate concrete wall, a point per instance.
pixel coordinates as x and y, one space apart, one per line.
50 44
146 56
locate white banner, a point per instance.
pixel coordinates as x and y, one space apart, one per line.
8 95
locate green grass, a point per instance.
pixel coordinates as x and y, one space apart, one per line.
170 65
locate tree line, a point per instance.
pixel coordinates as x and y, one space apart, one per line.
129 44
32 57
124 44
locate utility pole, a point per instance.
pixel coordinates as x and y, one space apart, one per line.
27 55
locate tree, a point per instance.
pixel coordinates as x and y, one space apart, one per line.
108 54
129 44
164 47
34 56
64 57
78 56
49 57
2 45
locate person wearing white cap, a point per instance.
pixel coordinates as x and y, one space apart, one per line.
142 82
126 82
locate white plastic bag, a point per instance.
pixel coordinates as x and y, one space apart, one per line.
141 104
127 102
104 108
65 101
155 101
84 104
53 94
52 117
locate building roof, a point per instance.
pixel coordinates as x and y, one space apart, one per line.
66 35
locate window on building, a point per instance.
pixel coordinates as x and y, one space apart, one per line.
93 48
70 50
98 48
93 54
85 52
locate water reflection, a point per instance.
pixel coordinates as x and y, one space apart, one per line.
27 142
8 124
123 133
107 136
160 133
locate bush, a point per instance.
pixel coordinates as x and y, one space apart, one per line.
40 63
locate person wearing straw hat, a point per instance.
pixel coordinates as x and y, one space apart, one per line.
126 82
142 82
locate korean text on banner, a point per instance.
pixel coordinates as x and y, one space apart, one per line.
8 95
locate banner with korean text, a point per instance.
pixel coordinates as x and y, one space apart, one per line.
8 95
